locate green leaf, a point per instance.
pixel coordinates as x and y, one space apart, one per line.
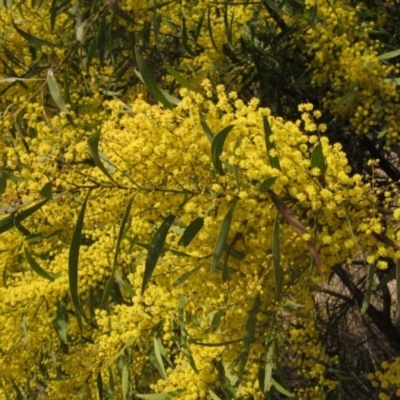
180 79
99 384
155 249
124 284
119 11
266 184
191 231
270 145
217 146
159 396
393 81
213 396
93 143
55 91
349 95
38 269
389 55
185 276
9 221
185 39
386 279
24 327
90 53
207 129
125 381
53 14
249 333
46 191
197 31
73 263
14 178
278 273
184 336
110 281
210 32
157 351
280 388
101 39
3 182
33 40
222 236
150 81
318 159
291 219
61 322
370 281
268 368
398 282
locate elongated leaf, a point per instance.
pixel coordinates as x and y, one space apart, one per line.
155 250
61 322
398 283
222 236
191 231
196 32
370 281
270 145
99 384
393 81
207 129
348 96
93 143
213 396
268 368
318 159
280 388
185 39
184 336
9 221
73 263
217 146
180 79
150 81
389 55
267 184
3 182
124 284
159 396
24 327
16 79
53 14
249 333
119 11
386 240
46 191
14 178
110 281
185 276
387 278
157 351
295 224
38 269
228 250
33 40
55 91
278 272
125 381
210 31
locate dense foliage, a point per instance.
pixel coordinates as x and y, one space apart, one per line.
199 199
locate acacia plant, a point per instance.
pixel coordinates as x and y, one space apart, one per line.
199 200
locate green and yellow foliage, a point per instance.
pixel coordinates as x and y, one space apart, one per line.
174 197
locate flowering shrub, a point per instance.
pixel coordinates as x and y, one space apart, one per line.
169 242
